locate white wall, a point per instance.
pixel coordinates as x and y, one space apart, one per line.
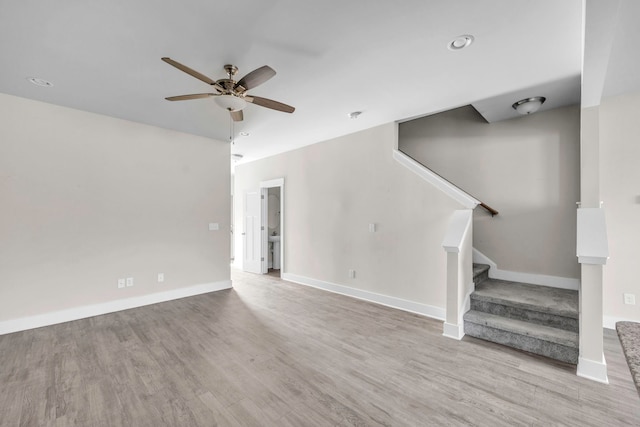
620 191
87 199
333 191
526 168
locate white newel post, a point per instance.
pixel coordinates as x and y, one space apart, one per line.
458 245
593 252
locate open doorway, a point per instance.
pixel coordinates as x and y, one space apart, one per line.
263 238
273 235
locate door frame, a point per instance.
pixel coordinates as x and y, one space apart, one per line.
272 183
253 232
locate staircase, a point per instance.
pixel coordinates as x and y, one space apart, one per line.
537 319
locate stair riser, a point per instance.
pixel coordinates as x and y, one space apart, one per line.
480 277
522 342
552 320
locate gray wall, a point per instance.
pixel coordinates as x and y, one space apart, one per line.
620 191
87 199
526 168
333 191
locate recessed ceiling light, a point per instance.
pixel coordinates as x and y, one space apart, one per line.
460 42
244 134
354 114
39 82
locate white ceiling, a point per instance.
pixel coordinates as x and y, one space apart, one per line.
388 59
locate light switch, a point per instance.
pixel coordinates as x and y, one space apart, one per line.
372 227
214 226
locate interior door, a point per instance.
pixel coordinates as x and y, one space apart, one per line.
252 250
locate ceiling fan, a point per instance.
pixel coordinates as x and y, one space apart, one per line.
232 95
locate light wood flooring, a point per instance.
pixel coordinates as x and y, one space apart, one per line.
273 353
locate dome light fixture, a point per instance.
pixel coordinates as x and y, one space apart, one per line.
39 82
460 42
230 102
529 105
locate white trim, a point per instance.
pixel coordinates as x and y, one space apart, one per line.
609 322
272 183
594 260
436 180
480 258
453 331
52 318
592 245
593 370
457 230
278 182
516 276
393 302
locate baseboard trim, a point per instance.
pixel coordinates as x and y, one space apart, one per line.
609 322
76 313
534 279
393 302
593 370
453 331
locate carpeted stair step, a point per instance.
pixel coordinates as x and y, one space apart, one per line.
541 305
558 344
480 273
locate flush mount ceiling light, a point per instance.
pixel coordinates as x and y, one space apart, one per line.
354 114
529 105
460 42
39 82
230 102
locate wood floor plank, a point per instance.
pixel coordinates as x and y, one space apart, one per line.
273 353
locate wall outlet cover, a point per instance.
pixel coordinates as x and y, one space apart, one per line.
121 283
129 281
630 299
160 277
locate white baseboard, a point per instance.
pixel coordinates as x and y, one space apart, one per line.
593 370
453 331
609 322
393 302
52 318
534 279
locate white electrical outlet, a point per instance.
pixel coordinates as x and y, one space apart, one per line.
630 299
352 274
121 283
160 277
129 281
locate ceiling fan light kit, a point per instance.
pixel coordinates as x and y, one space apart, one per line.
230 102
231 95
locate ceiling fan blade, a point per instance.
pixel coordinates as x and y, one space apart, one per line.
270 103
237 116
192 72
255 78
186 97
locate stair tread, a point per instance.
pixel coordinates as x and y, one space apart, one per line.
479 269
546 333
544 299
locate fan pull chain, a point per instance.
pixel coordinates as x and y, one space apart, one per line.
231 132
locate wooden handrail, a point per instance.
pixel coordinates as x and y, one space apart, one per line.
492 211
489 209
